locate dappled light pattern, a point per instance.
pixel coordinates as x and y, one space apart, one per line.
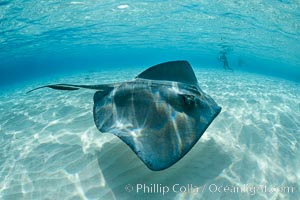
51 149
159 120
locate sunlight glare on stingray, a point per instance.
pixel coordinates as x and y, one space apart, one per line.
160 114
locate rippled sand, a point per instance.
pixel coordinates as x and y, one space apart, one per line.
51 149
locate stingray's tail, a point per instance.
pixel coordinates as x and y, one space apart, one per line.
69 87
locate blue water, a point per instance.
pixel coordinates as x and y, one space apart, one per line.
44 37
49 145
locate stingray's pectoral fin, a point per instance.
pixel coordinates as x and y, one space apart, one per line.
57 87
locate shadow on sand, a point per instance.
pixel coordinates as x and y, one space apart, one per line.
122 168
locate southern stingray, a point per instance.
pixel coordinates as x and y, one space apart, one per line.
160 114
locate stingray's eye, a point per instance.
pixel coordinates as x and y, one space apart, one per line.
189 99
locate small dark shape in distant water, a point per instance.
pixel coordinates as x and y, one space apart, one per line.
223 59
241 62
160 114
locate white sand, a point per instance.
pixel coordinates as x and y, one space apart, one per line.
51 149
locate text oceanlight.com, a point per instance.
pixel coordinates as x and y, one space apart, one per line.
213 188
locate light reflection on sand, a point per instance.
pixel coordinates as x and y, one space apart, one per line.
51 149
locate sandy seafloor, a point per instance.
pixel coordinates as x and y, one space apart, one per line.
51 149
